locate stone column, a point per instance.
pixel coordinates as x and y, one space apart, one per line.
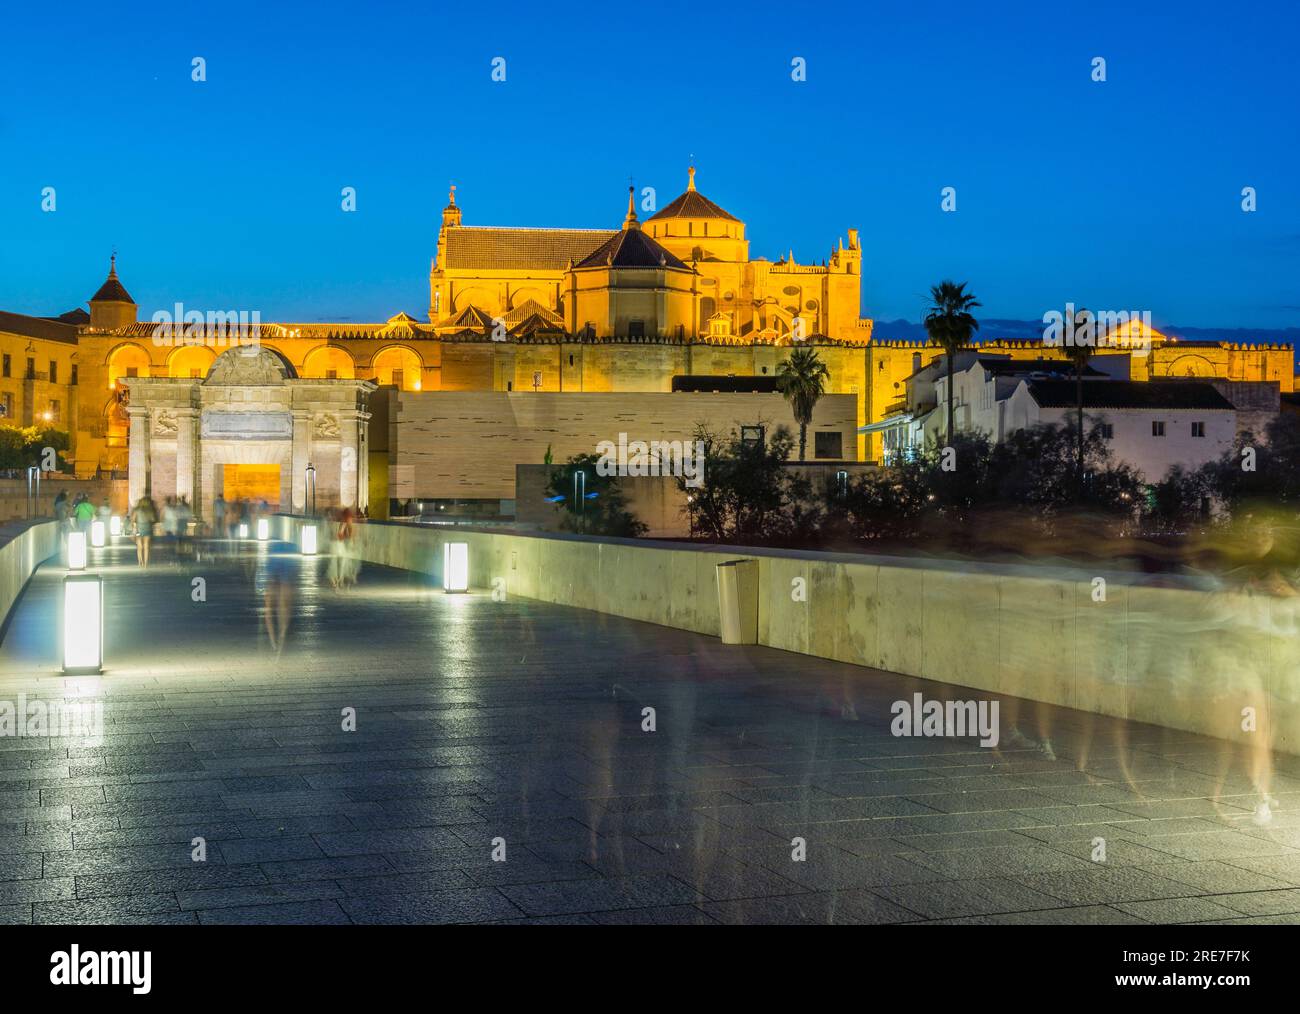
138 460
363 460
186 419
298 460
349 455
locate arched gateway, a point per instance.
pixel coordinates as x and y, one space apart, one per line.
248 430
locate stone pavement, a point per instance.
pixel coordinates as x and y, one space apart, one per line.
482 722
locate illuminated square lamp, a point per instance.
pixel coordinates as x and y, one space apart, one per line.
243 529
83 623
97 529
76 550
455 566
115 526
263 529
308 535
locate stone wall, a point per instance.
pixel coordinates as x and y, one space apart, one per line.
24 546
1177 655
466 444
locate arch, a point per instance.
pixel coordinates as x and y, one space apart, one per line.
192 361
521 295
1190 365
124 359
399 360
326 360
290 371
485 299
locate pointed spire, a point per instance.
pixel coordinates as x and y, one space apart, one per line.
112 265
630 222
690 178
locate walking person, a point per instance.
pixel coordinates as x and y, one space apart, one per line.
84 513
143 518
278 594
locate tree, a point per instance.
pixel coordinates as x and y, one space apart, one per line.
594 504
747 495
1259 470
950 325
802 379
23 446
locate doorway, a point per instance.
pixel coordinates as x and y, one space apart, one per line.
252 482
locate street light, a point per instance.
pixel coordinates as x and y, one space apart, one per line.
311 484
455 566
97 533
83 623
76 550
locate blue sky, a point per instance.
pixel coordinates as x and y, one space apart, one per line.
1117 195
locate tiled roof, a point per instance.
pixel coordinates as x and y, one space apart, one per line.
1191 394
537 324
38 327
631 248
513 249
531 308
692 204
469 318
112 291
1061 366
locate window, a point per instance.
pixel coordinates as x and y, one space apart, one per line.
6 404
8 364
636 329
399 379
1198 429
1107 430
1157 428
133 371
570 360
331 374
31 368
828 445
73 379
55 410
54 372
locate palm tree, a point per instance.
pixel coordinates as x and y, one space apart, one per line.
1079 353
802 379
951 326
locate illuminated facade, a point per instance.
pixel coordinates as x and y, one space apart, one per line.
557 310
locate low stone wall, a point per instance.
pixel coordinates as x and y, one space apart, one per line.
1177 654
24 546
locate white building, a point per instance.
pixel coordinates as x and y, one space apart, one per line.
1150 426
982 384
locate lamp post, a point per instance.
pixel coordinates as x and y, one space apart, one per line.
580 498
311 485
33 489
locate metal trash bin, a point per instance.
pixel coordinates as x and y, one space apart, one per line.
738 601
